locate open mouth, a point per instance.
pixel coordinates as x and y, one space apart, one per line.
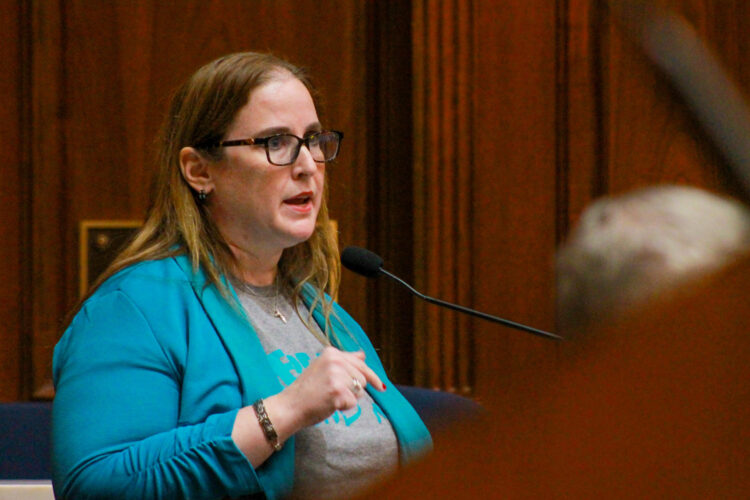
300 199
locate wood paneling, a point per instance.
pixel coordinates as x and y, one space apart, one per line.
581 148
649 132
51 258
390 218
564 107
514 185
476 133
622 124
485 190
14 165
443 169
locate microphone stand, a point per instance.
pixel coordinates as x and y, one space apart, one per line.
472 312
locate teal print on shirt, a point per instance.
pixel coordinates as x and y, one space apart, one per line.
285 367
338 416
288 367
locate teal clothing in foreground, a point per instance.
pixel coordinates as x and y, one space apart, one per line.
149 377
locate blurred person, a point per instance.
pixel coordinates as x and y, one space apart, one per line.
646 405
630 248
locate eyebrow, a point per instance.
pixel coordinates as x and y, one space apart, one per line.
266 132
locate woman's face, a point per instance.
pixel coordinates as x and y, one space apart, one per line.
262 208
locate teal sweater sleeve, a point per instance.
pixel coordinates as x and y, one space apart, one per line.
116 416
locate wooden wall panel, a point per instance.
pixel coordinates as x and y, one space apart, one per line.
514 184
650 135
49 253
443 163
476 133
485 186
643 132
390 217
565 107
487 84
14 164
581 149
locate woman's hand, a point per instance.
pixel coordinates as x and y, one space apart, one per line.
326 385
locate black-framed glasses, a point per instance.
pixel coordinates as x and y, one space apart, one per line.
283 149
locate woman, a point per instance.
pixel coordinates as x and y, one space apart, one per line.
209 362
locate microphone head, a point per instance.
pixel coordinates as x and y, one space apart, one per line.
361 261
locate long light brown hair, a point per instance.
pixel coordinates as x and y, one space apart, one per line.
200 113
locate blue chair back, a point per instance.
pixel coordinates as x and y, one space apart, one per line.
25 432
440 410
25 428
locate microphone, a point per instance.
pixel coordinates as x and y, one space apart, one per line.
368 264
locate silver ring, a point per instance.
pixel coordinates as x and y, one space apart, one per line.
356 386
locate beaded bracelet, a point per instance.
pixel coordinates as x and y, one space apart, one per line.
266 425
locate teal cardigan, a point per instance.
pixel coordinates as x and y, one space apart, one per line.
149 377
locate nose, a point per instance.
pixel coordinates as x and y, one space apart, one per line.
304 164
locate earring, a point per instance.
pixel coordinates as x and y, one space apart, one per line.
202 195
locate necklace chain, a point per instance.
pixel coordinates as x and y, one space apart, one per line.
262 299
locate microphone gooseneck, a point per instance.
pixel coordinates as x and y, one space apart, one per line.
369 264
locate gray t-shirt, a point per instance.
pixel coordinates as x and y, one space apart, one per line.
349 450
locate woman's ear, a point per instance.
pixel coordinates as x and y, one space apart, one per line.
195 170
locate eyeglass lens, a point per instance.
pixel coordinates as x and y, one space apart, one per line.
283 149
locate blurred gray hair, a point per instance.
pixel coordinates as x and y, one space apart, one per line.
628 248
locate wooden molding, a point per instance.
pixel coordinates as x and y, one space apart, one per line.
443 55
48 201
